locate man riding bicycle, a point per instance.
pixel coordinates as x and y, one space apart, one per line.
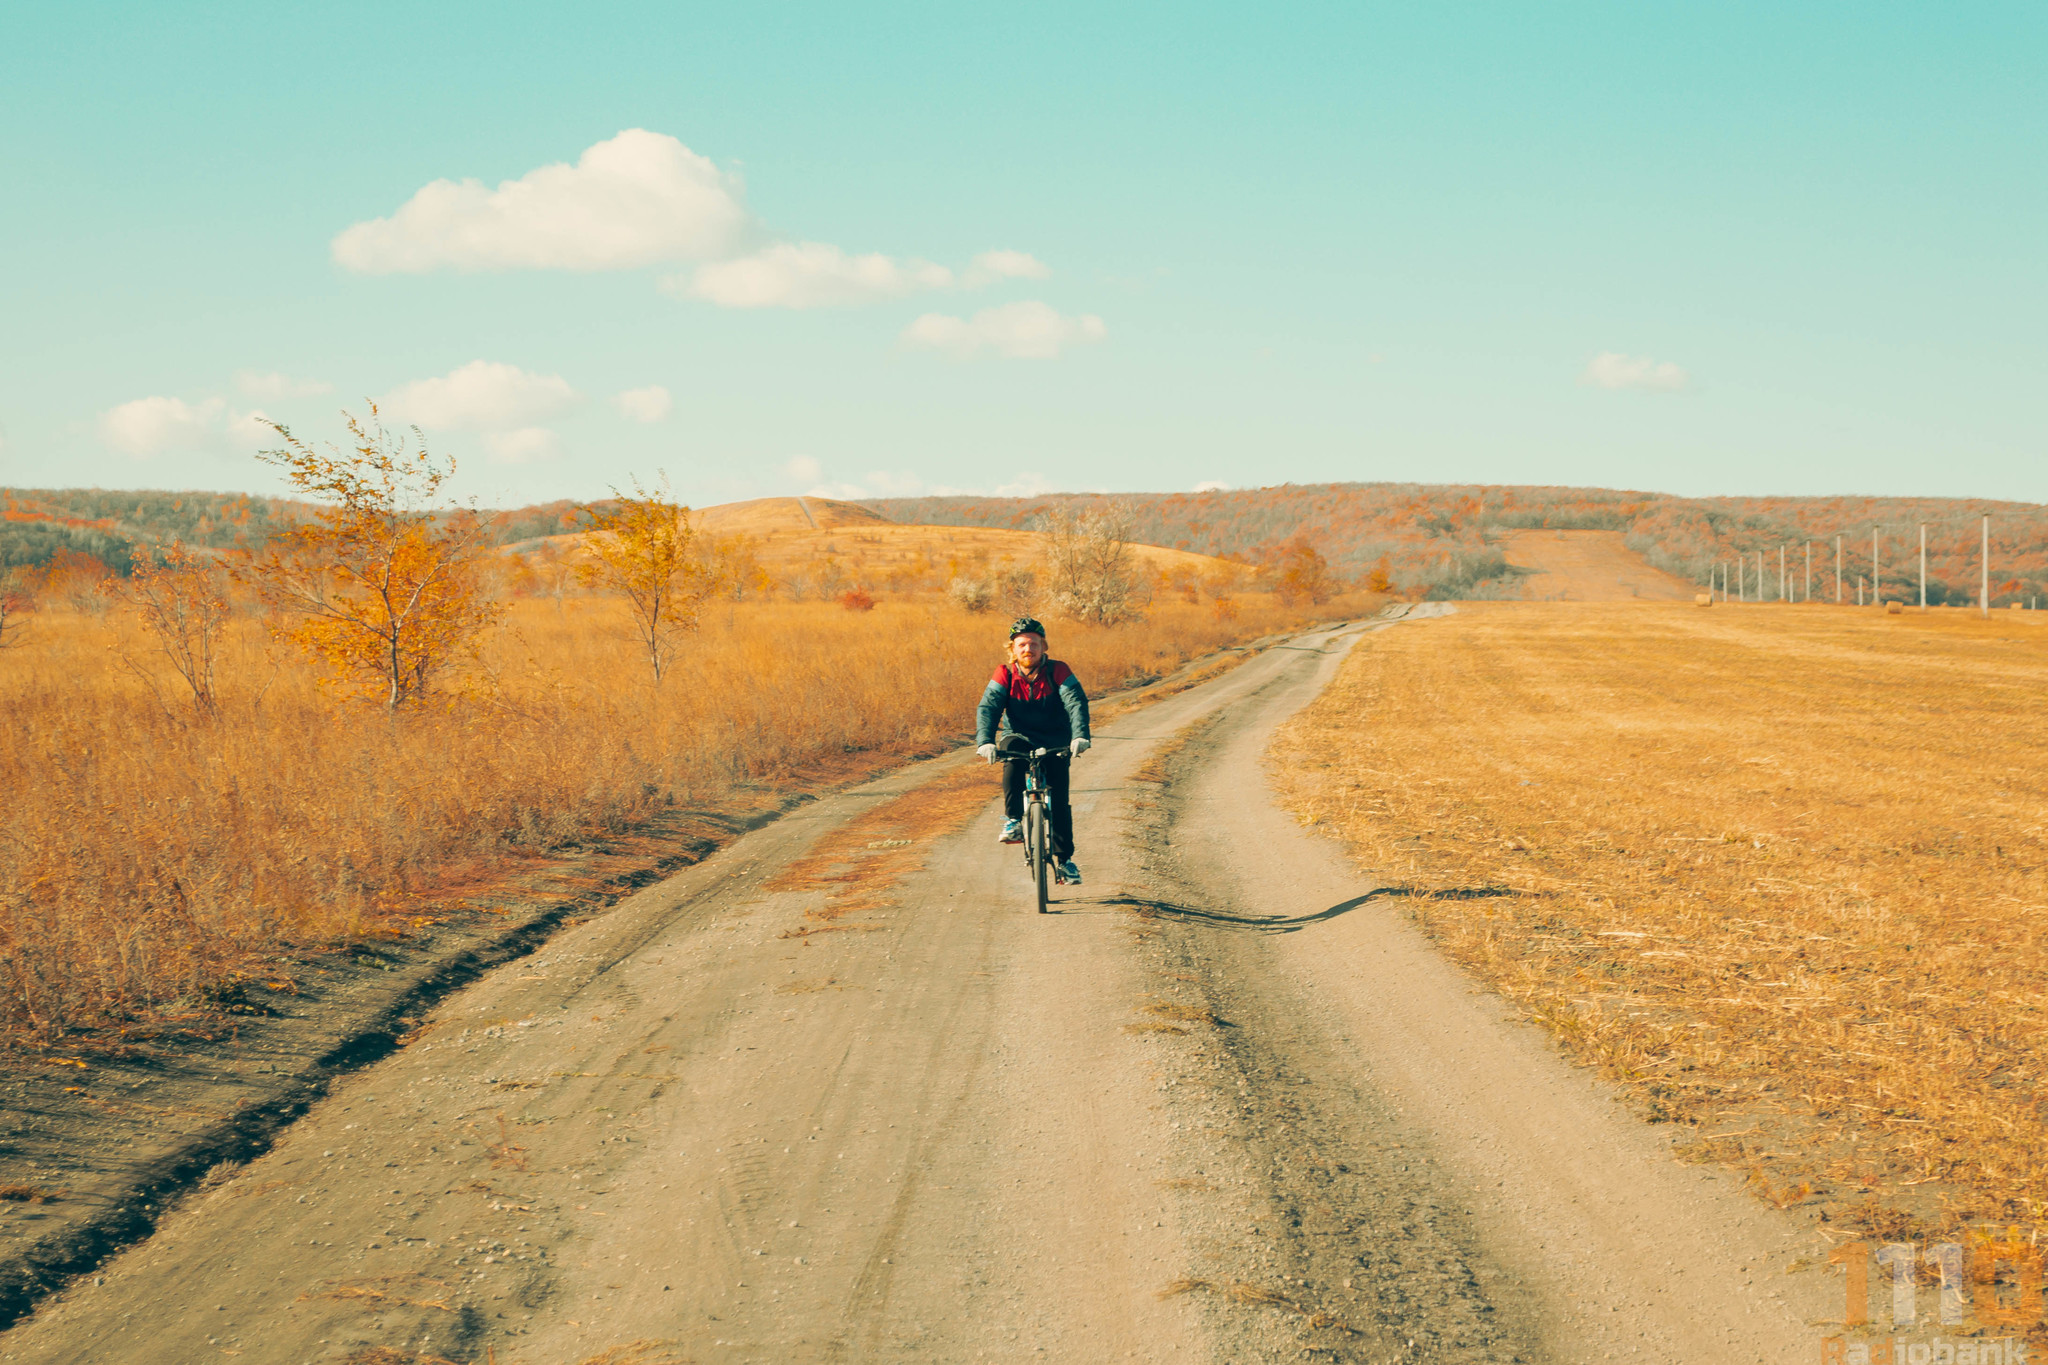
1042 701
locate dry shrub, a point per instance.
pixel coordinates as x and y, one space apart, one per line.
147 859
1762 864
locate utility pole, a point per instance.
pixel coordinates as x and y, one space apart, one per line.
1809 571
1923 566
1875 591
1984 593
1838 571
1781 571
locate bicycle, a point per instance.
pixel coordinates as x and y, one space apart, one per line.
1038 857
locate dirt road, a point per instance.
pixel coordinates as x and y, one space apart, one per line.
1588 566
1225 1105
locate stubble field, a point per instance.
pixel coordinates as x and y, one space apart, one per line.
1783 871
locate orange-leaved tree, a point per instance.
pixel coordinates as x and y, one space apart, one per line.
182 599
1304 573
644 549
386 584
16 602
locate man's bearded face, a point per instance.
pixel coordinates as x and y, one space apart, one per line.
1028 649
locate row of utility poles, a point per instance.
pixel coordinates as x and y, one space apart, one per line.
1747 590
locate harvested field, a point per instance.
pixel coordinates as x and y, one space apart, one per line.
1778 869
1588 566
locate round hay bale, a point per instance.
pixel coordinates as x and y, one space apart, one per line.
1894 608
1703 599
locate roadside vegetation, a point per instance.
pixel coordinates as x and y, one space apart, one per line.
1782 870
219 761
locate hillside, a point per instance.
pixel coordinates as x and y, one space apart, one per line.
761 516
1444 540
1587 566
816 546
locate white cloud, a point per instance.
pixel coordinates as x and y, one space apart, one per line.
876 483
1613 370
483 395
844 492
1026 485
273 385
1212 486
1024 330
650 404
634 200
807 275
991 266
251 430
147 426
150 426
523 445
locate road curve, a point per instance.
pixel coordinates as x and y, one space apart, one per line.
1225 1105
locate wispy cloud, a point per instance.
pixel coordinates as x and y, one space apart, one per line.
144 427
483 395
1613 370
991 266
1030 330
807 275
523 445
651 404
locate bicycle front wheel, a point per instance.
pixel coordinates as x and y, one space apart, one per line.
1041 853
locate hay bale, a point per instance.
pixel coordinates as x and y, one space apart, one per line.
1703 599
1894 608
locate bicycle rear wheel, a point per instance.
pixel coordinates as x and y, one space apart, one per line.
1041 855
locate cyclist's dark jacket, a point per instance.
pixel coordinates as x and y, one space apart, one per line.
1031 707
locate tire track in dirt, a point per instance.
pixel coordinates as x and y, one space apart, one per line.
1357 1249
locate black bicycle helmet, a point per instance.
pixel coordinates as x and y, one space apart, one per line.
1026 625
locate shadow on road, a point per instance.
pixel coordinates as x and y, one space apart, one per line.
1153 908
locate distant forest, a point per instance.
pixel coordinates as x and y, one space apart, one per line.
1438 540
37 523
1442 539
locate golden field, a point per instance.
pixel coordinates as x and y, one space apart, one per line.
1780 869
150 854
815 547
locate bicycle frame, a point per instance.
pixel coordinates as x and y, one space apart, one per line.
1038 857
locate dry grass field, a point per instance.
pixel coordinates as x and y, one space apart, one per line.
818 546
150 855
1783 870
1588 566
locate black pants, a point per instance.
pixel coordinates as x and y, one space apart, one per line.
1056 792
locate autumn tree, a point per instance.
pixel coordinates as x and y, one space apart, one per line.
1088 557
183 601
1381 576
739 561
644 549
386 583
1302 573
80 580
17 601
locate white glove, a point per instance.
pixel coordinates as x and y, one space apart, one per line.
1081 746
987 752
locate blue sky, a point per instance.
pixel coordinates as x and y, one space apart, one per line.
1704 249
